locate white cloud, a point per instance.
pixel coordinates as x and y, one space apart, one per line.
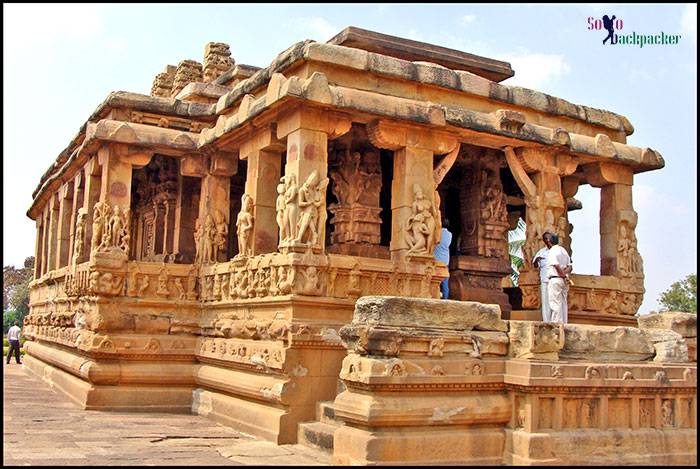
467 19
689 22
316 27
534 69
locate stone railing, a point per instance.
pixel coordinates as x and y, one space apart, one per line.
446 382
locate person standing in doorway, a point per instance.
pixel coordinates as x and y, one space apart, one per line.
540 261
13 338
442 254
558 270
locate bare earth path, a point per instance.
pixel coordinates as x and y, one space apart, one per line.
43 427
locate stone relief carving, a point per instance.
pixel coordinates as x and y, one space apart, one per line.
110 228
420 226
312 197
244 226
290 213
79 235
629 261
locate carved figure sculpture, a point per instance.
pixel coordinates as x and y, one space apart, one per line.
145 282
311 199
192 283
279 207
311 286
624 248
419 234
208 235
220 235
163 282
291 210
198 233
99 220
79 235
180 289
244 225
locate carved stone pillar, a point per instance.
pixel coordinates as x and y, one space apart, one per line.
111 218
78 201
618 243
44 240
38 255
303 220
211 232
416 224
93 180
264 155
53 233
64 224
543 192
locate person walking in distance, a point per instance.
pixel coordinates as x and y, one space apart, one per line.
540 261
558 270
13 338
442 254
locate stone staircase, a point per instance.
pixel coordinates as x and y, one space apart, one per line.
319 434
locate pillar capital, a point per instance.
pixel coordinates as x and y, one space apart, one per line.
262 140
601 174
534 160
394 136
331 123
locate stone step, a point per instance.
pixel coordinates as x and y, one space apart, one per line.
325 412
317 435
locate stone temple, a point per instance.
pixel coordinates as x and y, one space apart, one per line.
255 245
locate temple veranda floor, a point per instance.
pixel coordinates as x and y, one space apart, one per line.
43 427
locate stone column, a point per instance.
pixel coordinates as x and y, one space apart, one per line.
264 155
44 239
53 233
308 132
78 200
117 163
214 201
64 224
618 243
38 257
93 180
538 173
413 186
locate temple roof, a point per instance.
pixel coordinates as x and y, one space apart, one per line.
463 95
416 51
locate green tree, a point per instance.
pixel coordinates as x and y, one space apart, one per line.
681 296
516 240
15 292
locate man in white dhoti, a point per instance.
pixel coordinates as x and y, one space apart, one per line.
558 270
540 261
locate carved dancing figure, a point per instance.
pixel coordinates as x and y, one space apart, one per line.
244 224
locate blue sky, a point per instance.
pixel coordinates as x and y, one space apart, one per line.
61 61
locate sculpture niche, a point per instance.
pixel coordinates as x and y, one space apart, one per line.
303 215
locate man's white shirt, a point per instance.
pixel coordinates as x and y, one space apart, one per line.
557 256
542 254
13 333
